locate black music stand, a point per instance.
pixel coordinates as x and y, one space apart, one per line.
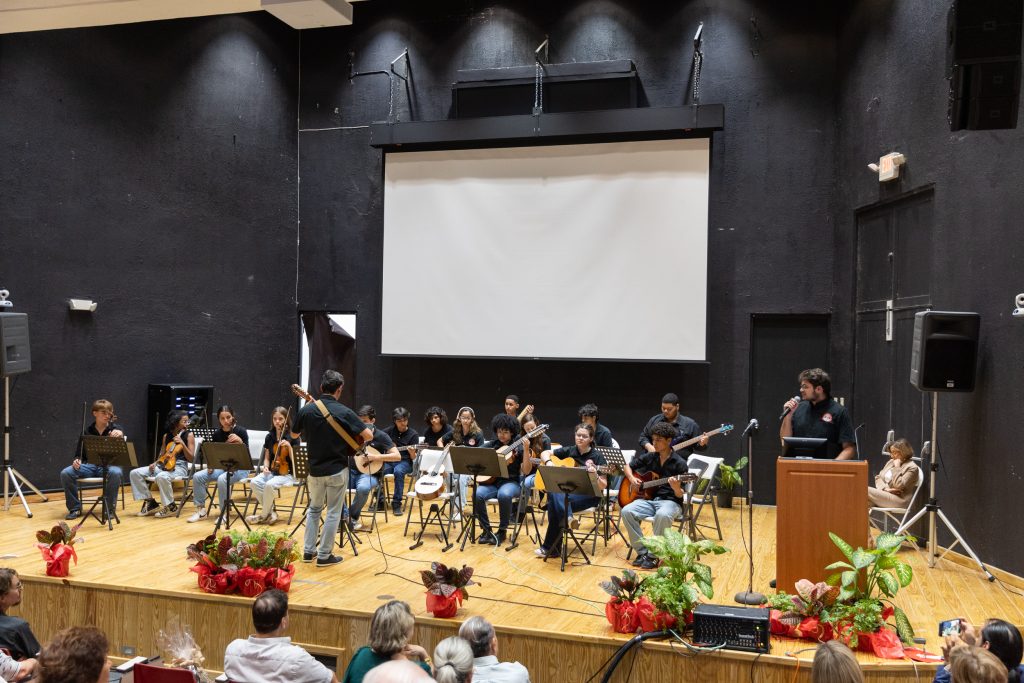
227 457
613 459
107 451
434 514
477 462
570 480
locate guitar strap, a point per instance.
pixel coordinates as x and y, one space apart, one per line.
337 427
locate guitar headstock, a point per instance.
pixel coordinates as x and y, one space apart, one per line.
537 430
302 393
725 429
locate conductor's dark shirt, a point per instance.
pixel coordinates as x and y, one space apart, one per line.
328 451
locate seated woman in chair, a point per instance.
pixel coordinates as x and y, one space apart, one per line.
277 449
895 484
391 628
178 447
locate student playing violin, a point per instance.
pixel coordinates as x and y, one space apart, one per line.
277 469
177 448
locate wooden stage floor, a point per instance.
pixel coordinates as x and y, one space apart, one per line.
129 581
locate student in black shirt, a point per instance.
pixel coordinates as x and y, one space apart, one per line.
265 484
466 433
506 429
438 430
686 428
364 483
229 432
588 413
815 414
403 437
103 425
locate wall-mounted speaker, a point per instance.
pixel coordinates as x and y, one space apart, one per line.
945 351
15 357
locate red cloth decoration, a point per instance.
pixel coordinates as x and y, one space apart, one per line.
248 581
58 558
622 615
651 618
444 607
882 643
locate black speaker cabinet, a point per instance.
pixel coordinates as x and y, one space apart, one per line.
163 398
14 352
945 351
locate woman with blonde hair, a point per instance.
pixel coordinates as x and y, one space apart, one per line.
835 663
970 664
895 484
453 661
391 629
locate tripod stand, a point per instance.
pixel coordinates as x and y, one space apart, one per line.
12 477
933 510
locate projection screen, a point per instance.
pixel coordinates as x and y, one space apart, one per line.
593 251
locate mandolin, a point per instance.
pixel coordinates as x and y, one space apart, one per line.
508 451
430 484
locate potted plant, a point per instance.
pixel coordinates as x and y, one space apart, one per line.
621 610
57 547
729 478
799 616
670 594
446 588
245 562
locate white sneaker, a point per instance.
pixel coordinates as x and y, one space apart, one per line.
197 515
357 525
272 519
254 519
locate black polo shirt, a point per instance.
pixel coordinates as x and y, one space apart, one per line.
220 436
431 436
328 451
271 441
16 636
580 458
603 436
92 431
381 441
651 462
517 462
827 419
688 429
407 438
475 439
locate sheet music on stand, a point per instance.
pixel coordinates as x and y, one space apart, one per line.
108 452
612 456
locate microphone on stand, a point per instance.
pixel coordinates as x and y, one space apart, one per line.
751 427
788 410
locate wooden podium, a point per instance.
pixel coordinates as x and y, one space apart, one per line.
814 497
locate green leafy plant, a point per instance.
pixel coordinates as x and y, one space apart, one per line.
680 581
258 548
445 581
869 578
729 474
811 600
626 588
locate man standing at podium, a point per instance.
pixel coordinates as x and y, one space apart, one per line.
815 414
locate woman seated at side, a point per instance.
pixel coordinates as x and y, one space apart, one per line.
391 628
895 484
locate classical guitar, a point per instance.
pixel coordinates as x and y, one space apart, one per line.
508 451
430 484
627 493
173 449
538 483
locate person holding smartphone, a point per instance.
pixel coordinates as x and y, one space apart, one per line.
999 637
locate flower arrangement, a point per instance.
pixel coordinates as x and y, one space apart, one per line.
853 604
245 562
621 608
57 547
446 588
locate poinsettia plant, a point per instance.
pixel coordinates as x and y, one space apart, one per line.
57 548
445 581
248 562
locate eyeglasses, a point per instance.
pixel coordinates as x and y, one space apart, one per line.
18 587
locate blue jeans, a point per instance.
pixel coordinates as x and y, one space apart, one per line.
201 478
557 513
363 485
326 491
399 469
505 490
69 475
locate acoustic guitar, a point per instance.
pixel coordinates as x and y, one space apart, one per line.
538 483
508 451
362 456
430 484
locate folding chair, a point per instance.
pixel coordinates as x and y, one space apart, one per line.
440 512
708 468
900 515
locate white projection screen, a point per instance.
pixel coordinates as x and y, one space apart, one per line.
590 251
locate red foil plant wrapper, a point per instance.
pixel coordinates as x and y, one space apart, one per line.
57 548
247 563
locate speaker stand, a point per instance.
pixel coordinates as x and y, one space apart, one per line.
933 510
13 477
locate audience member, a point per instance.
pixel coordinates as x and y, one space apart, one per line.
268 655
834 663
391 629
12 670
75 655
970 664
453 661
999 637
397 671
479 633
15 634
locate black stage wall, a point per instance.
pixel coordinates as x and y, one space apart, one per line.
193 165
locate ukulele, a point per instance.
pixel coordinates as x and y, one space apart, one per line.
508 451
362 456
430 484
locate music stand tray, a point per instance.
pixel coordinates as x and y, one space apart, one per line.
476 462
570 480
106 451
227 457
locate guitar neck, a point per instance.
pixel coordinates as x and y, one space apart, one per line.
658 482
603 469
689 442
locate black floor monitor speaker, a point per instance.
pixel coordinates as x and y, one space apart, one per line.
14 351
945 351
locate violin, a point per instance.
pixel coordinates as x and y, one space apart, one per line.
174 449
282 449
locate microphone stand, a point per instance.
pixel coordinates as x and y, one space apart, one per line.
749 597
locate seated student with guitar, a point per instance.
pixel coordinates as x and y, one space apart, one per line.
666 469
538 444
407 440
277 469
505 428
379 451
177 449
229 432
580 455
102 425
